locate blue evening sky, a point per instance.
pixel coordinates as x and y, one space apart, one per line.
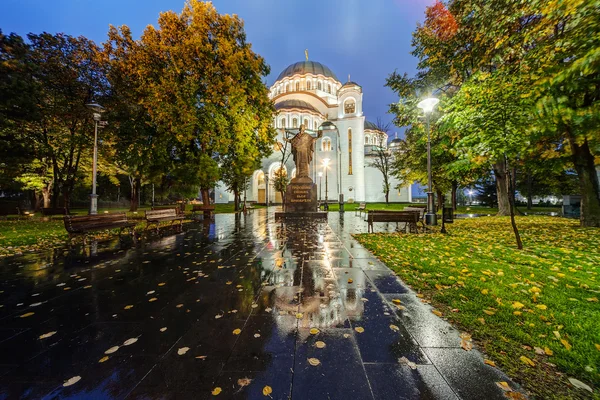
366 39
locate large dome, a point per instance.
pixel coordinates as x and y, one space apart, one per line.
307 67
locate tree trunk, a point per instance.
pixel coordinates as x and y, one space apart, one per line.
454 190
205 197
583 160
46 195
511 197
37 201
135 193
440 199
67 198
502 188
387 197
529 190
236 200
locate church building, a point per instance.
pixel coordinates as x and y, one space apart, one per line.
309 93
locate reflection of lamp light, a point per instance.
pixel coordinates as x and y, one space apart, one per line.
325 164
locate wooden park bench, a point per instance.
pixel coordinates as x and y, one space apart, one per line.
155 217
178 209
362 207
82 224
420 210
208 211
52 211
407 217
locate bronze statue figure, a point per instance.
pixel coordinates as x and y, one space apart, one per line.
302 151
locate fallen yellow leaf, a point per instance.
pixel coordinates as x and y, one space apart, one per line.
541 306
566 344
103 359
267 390
504 386
128 307
484 291
320 344
216 391
29 314
597 346
518 305
314 331
359 329
548 351
394 328
314 361
527 361
437 312
237 331
396 301
489 362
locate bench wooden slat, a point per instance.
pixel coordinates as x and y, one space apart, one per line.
408 217
82 224
163 215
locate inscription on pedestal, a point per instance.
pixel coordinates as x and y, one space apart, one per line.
301 197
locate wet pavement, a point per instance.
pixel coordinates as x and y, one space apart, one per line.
245 307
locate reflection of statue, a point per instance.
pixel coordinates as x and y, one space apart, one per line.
302 150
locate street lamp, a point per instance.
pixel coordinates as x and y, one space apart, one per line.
320 186
470 197
325 164
97 109
427 106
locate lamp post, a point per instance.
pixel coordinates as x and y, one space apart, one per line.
325 164
320 185
97 109
427 106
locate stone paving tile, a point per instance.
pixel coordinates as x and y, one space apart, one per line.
227 304
402 382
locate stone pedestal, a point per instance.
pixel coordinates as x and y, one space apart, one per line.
301 196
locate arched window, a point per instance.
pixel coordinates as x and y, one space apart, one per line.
307 85
349 106
297 86
319 85
295 123
316 125
306 123
367 140
349 151
282 122
287 88
261 178
326 144
328 88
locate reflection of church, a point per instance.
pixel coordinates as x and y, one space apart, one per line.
310 94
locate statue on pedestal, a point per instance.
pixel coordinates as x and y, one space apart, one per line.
302 151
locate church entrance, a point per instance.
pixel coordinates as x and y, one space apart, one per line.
262 198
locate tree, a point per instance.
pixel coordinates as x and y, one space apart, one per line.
566 58
491 112
281 181
202 86
382 157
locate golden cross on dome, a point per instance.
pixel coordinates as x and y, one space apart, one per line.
306 54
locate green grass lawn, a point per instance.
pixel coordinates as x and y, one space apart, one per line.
541 303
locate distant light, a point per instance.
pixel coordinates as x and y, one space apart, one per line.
428 104
326 162
320 174
105 212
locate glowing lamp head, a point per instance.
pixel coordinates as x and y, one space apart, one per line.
428 104
320 174
326 162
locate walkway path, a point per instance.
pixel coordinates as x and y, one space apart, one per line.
243 307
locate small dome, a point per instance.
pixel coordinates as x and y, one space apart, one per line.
370 125
289 104
350 83
307 67
395 142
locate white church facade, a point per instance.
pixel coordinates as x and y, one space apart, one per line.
309 93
